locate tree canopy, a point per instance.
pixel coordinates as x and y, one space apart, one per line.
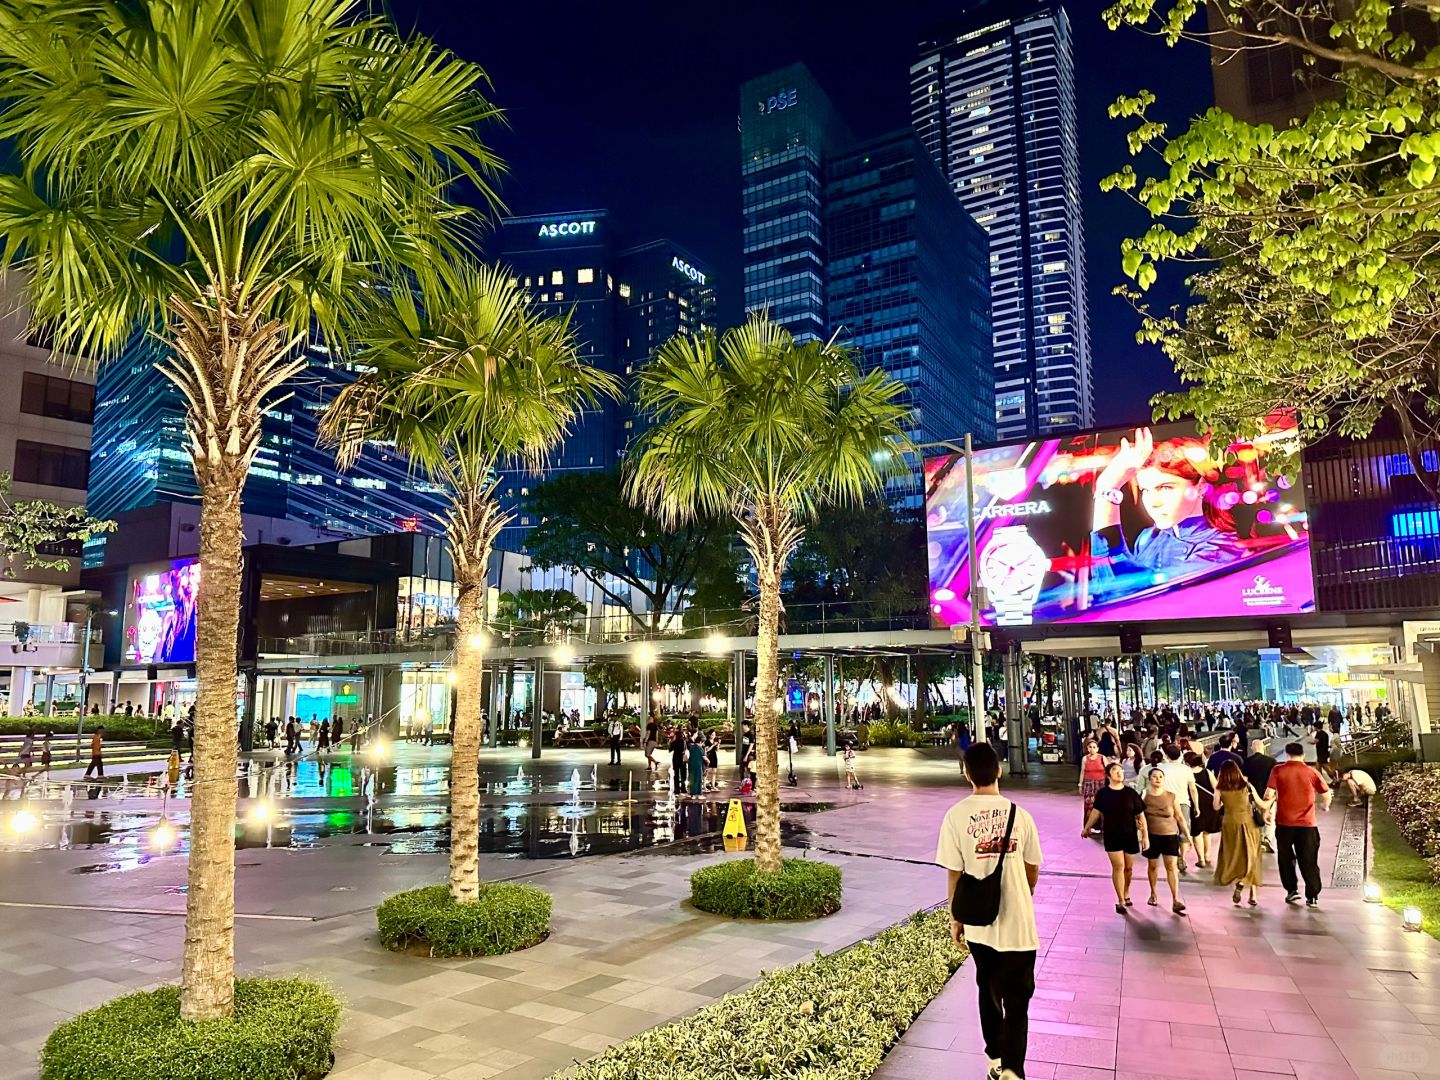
1315 243
583 522
33 530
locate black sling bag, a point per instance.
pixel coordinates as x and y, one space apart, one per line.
977 900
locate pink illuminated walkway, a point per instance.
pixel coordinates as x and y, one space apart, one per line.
1331 994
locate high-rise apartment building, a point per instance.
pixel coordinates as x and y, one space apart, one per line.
993 98
623 303
865 242
907 285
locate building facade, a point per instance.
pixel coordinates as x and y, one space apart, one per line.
623 303
993 99
907 285
139 457
789 130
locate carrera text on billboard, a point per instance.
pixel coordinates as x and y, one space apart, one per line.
1132 524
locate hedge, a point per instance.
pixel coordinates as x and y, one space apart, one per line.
507 916
117 728
804 889
1412 796
1406 879
832 1018
282 1029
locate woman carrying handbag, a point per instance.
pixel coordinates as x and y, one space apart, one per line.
1242 814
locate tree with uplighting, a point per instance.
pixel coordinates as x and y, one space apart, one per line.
766 430
219 175
1314 245
464 377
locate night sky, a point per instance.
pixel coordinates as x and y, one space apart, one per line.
631 107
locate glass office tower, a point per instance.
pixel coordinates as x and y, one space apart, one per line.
138 454
788 131
993 98
907 284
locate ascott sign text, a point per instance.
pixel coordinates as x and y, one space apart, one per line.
697 276
566 228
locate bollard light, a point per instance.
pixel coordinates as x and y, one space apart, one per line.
1372 893
1414 918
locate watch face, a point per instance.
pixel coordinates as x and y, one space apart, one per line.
1012 564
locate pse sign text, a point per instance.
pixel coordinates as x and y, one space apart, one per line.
785 99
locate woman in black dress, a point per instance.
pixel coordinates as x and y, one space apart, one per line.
1204 818
1120 811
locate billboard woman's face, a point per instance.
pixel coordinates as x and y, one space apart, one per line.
1168 498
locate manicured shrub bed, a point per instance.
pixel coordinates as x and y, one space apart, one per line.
1412 797
1406 878
832 1018
282 1029
117 728
507 917
804 889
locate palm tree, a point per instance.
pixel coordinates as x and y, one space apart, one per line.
764 429
216 173
465 378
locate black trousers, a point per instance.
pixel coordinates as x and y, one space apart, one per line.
1299 843
1006 981
614 749
96 766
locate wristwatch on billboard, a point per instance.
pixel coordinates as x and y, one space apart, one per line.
1114 496
1012 568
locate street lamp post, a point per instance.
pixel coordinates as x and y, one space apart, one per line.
977 651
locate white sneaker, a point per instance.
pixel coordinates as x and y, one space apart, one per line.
993 1073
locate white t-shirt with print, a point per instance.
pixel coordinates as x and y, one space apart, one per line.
1178 778
969 843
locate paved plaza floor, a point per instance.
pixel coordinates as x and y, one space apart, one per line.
1337 992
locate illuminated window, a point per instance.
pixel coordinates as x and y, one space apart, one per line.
1057 267
557 277
584 276
624 291
559 295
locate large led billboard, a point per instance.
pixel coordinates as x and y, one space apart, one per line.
1122 525
160 615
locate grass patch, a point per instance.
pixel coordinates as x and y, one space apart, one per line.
804 889
282 1029
506 917
1402 874
832 1018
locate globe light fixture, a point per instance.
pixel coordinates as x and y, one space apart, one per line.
162 836
563 654
261 812
644 655
717 645
477 641
23 821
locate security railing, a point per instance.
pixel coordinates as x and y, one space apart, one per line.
48 633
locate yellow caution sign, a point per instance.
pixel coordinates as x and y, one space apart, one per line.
735 843
735 821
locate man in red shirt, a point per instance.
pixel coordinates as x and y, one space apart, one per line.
1294 785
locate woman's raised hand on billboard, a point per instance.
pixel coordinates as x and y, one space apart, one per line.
1123 464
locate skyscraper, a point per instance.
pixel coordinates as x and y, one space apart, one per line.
788 132
907 282
623 303
865 242
993 98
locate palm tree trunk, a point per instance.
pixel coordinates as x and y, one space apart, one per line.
772 534
473 524
228 360
208 970
465 744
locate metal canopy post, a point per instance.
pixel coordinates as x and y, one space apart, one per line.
828 704
738 681
537 728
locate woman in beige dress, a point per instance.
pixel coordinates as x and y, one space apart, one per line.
1239 861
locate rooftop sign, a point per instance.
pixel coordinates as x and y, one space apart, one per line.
555 229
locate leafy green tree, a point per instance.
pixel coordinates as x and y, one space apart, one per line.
31 530
585 524
869 560
464 377
218 173
1316 242
542 610
766 430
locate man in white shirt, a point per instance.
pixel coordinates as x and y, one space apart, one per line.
1003 953
616 731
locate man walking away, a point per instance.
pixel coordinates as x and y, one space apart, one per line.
1003 953
97 755
1294 785
617 732
1257 770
